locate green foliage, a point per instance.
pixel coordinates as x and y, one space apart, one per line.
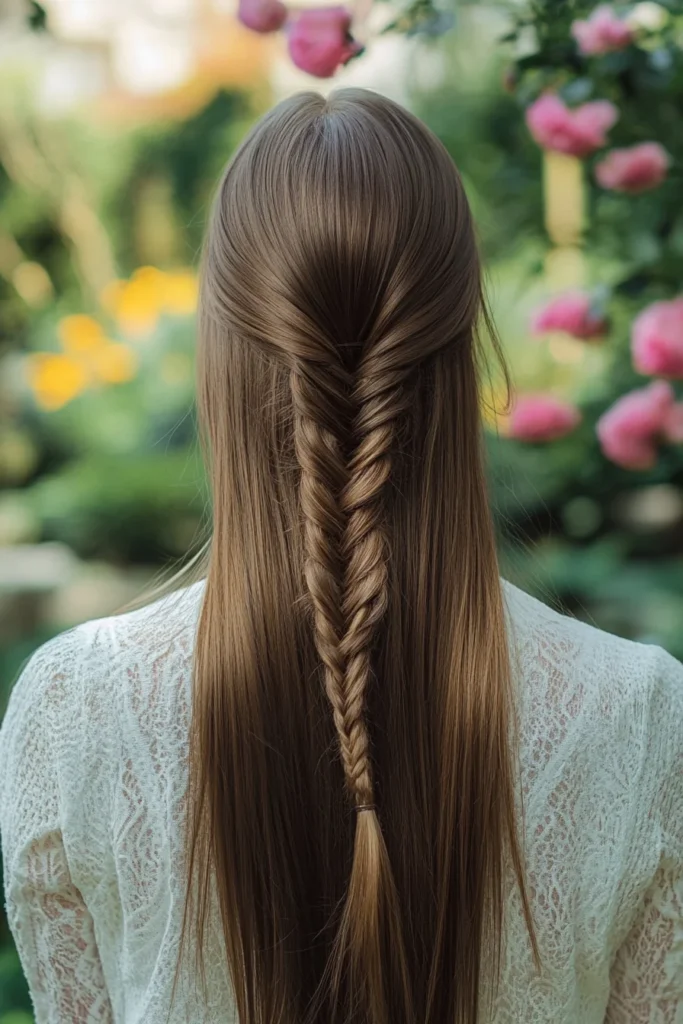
37 19
15 1003
189 156
575 529
421 17
634 245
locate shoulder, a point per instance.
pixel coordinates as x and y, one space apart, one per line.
170 619
47 688
534 621
621 691
566 646
69 695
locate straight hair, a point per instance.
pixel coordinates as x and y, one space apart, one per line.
352 769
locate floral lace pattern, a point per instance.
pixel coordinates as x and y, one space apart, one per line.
93 756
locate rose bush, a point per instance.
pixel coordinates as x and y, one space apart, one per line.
628 78
600 509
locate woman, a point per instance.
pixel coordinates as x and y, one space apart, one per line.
362 777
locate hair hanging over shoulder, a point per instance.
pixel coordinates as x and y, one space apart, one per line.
352 752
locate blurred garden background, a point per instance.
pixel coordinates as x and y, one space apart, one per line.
115 121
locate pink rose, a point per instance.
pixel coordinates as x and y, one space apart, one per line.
319 40
577 132
572 313
630 431
602 32
657 339
634 169
542 417
262 15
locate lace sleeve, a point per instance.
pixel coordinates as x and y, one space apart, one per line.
647 973
51 925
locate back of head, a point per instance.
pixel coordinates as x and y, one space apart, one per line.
351 777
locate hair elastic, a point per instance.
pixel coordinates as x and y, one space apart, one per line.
365 807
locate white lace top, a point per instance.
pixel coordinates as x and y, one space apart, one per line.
92 778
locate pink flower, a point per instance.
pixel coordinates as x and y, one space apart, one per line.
602 32
657 339
542 417
262 15
634 169
577 132
630 431
319 40
572 313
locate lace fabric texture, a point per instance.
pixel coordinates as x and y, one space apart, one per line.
93 773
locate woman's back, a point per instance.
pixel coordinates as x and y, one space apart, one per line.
94 752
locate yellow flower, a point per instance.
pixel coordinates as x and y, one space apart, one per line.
55 379
80 334
137 310
181 292
115 363
152 278
137 304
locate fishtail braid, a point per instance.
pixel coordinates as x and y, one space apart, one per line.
323 477
380 399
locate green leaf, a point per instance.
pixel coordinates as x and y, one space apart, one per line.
37 20
633 285
578 91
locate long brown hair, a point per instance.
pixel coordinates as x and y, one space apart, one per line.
352 779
